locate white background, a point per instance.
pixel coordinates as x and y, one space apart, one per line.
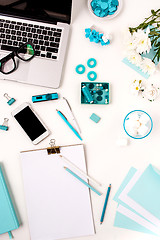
106 162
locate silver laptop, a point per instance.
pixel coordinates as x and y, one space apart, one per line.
46 24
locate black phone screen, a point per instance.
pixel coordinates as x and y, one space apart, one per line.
30 123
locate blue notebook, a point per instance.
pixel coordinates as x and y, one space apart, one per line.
8 218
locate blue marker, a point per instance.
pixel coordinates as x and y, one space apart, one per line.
69 125
45 97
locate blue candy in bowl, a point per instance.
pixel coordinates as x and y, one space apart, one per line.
106 9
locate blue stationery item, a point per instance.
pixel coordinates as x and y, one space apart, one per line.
91 62
10 100
4 126
134 67
121 220
92 75
105 203
69 125
95 93
81 180
95 118
8 218
87 94
80 69
146 191
45 97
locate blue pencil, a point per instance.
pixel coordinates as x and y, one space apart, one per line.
80 179
105 204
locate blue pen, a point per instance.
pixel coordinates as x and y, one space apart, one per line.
81 180
69 125
105 203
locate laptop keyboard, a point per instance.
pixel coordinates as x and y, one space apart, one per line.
46 40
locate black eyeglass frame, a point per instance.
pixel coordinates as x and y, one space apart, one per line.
12 55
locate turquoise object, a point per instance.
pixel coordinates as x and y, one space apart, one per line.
89 75
87 94
102 8
98 93
4 126
10 100
95 118
134 67
81 180
69 125
121 220
105 204
139 112
95 36
146 191
80 69
91 62
8 218
45 97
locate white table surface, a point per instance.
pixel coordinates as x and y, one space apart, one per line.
106 162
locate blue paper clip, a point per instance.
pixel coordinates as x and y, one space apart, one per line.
45 97
10 100
5 124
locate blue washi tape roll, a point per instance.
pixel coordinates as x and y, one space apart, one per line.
87 94
80 69
91 62
90 77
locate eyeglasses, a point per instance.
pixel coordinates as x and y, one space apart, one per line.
25 52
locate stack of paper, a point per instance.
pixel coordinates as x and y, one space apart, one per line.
138 201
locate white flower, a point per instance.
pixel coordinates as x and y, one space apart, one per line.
129 40
134 58
106 37
142 41
150 92
136 86
148 66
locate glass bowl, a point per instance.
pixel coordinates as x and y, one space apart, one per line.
138 124
108 16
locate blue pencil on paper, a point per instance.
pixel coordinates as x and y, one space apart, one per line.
105 204
69 125
84 182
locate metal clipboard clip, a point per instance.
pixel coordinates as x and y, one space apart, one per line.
53 149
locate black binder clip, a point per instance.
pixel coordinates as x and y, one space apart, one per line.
53 149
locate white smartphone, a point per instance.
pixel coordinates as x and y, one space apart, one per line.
30 122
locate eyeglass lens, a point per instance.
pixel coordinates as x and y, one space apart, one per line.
8 66
26 52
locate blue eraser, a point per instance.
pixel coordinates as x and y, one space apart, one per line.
95 118
45 97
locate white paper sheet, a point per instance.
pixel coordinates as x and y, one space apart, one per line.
143 222
130 202
58 204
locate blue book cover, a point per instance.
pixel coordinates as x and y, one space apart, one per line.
8 218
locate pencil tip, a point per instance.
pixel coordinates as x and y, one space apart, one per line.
100 222
65 167
109 185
